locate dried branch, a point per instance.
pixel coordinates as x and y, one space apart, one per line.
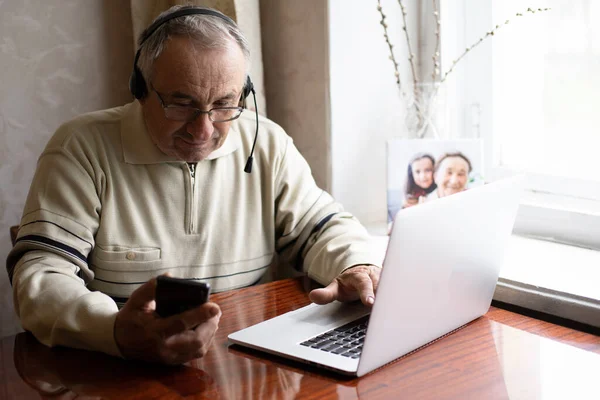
419 103
481 39
436 53
411 56
391 46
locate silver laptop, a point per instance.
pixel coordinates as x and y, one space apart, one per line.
440 271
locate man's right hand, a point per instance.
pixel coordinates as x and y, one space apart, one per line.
141 334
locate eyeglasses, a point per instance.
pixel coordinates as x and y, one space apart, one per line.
189 114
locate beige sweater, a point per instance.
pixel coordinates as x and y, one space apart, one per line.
107 210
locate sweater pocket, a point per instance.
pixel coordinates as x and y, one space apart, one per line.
121 258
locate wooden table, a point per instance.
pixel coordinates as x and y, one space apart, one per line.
499 356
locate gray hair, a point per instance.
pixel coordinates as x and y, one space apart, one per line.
207 31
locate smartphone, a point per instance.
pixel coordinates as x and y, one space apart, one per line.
176 295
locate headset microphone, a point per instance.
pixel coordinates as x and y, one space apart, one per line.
248 167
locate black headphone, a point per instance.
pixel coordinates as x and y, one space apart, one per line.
137 83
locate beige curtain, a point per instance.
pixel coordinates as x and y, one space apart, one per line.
245 12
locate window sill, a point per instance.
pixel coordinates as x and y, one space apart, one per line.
551 278
547 277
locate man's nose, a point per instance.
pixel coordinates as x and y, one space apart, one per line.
201 128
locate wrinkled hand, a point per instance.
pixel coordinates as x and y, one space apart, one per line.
141 334
356 282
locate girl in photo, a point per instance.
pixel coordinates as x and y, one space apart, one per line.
419 180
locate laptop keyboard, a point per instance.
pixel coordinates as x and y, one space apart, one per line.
346 340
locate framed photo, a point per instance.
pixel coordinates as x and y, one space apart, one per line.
420 170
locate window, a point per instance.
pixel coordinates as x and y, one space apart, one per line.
532 93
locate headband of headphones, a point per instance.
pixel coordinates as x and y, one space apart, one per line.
137 83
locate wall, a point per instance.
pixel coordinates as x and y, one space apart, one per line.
366 109
58 58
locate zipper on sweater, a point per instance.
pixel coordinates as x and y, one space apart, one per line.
192 169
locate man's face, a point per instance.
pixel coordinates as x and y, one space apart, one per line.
186 75
451 176
422 170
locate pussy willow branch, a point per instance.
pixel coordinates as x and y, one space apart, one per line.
411 56
436 53
481 39
387 40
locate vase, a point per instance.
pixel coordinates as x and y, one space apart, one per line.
425 111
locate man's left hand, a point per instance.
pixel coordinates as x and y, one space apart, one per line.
359 281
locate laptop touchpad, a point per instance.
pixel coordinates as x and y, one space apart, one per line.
330 313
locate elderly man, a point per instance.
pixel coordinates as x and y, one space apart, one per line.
158 186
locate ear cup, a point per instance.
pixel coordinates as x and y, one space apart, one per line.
137 83
132 80
248 88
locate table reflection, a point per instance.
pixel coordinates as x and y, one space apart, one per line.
63 373
296 380
484 360
535 367
487 359
462 365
